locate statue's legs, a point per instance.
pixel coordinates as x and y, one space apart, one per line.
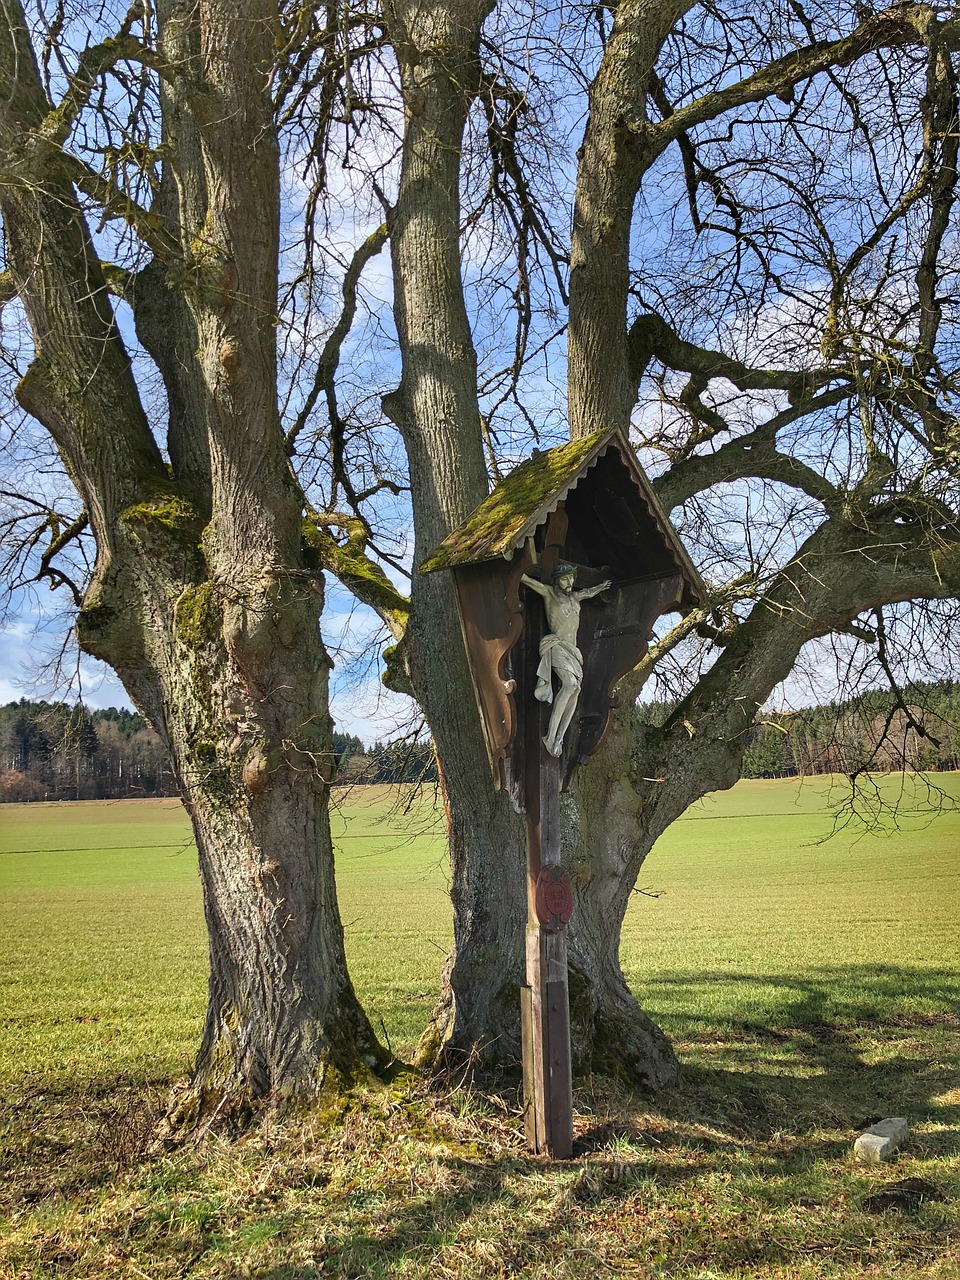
563 709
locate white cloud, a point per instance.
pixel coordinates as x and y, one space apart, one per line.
29 646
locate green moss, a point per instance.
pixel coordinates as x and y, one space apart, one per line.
116 277
428 1047
196 616
515 504
205 753
168 512
349 562
394 668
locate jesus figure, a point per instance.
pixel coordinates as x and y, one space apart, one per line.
558 649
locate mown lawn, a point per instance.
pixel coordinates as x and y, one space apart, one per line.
811 986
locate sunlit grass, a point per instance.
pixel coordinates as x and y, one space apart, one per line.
810 987
762 919
103 960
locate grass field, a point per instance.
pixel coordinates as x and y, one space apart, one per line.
810 985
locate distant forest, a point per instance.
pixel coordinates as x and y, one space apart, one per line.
878 731
55 751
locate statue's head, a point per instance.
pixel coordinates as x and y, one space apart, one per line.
563 571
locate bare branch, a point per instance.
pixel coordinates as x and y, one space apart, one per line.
652 337
325 378
754 454
52 572
93 63
899 24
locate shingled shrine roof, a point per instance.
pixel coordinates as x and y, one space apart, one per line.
523 500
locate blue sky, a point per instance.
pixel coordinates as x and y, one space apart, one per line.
32 639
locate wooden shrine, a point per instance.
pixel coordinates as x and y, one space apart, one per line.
582 516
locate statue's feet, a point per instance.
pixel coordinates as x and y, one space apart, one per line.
555 748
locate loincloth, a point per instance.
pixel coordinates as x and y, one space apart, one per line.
565 659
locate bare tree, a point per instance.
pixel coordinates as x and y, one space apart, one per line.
744 221
784 305
203 597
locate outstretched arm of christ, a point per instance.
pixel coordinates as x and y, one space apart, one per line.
587 592
541 588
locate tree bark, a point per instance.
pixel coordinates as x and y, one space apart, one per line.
203 599
436 408
617 150
604 845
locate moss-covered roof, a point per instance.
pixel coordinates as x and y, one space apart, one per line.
522 501
518 504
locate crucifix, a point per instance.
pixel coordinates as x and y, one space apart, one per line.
550 669
559 654
560 576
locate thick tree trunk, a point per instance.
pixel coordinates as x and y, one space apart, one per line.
201 597
477 1017
615 154
605 844
234 677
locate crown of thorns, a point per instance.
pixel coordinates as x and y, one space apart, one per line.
561 571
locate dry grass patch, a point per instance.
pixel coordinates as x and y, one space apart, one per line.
740 1173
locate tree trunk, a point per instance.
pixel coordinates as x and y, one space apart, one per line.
202 599
605 844
235 680
477 1017
613 158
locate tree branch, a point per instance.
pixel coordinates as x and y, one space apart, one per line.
62 539
97 421
354 568
841 571
899 24
652 337
718 605
754 454
8 288
325 378
94 62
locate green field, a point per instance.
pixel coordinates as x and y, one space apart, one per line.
809 983
104 957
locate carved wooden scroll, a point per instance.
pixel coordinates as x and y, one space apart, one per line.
492 619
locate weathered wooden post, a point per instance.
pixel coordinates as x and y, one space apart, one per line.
579 527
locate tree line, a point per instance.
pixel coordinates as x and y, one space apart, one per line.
876 731
916 727
58 751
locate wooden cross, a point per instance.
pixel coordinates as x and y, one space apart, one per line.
589 503
545 1000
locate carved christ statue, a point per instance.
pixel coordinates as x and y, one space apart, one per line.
558 649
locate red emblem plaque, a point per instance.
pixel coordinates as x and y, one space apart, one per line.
554 898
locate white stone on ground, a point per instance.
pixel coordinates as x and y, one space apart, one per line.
881 1140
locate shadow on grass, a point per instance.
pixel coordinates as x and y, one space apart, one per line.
762 1125
848 993
766 1115
845 1047
60 1138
